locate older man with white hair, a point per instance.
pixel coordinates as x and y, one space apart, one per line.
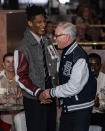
77 83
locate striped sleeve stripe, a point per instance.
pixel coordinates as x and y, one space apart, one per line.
37 92
81 106
52 92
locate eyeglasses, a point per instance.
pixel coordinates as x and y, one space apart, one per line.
56 36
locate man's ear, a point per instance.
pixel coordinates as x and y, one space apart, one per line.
30 23
68 37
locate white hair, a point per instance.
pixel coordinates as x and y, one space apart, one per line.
69 28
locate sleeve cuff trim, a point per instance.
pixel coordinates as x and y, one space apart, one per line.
52 92
37 92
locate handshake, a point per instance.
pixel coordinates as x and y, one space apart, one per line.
44 97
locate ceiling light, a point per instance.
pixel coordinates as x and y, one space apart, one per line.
64 1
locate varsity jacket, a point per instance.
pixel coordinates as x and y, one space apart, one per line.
77 83
29 66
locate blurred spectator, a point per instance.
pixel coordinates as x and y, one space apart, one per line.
81 32
10 92
93 34
84 15
98 115
50 30
101 17
102 34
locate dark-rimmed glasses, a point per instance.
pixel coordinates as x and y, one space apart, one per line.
56 36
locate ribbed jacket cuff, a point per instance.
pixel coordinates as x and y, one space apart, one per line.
37 92
52 92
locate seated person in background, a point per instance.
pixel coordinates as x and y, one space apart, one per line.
85 15
98 114
93 34
10 93
102 36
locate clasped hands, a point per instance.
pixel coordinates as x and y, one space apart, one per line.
44 97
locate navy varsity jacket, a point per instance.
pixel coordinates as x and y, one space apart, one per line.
77 83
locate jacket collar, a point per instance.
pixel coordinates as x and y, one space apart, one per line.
29 37
67 50
37 38
2 73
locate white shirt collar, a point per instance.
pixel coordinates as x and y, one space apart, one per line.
36 37
2 73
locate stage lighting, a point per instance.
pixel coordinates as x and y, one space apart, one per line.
34 1
64 1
